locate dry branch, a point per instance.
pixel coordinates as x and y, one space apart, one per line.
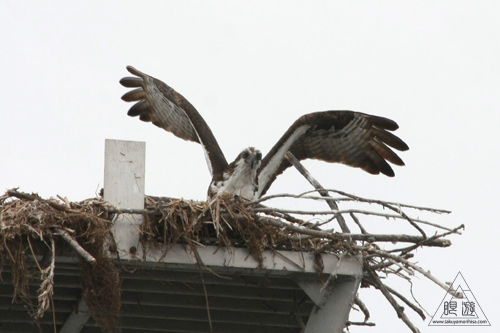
399 309
362 307
356 237
32 197
333 205
407 302
349 198
74 244
358 223
400 259
355 323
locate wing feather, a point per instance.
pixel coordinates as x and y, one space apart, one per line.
387 153
131 82
164 107
389 138
352 138
155 104
134 95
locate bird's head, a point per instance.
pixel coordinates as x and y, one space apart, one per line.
252 157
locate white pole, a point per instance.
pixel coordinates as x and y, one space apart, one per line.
124 178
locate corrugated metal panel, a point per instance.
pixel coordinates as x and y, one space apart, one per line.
165 299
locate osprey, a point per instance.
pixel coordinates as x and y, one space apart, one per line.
352 138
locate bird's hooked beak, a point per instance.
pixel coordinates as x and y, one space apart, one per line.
253 161
252 157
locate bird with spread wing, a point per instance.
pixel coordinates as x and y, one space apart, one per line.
352 138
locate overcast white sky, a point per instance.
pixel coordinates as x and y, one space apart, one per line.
251 69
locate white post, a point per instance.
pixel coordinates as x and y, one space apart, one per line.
124 177
332 303
77 319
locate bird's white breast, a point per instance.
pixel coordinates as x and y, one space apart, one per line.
240 182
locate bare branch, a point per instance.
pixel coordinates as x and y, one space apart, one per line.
380 202
30 197
412 265
349 197
74 244
354 237
407 302
362 307
356 220
451 231
399 310
355 323
333 205
207 303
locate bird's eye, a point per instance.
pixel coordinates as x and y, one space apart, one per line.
259 156
244 154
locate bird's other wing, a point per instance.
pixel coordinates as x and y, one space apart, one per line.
163 106
352 138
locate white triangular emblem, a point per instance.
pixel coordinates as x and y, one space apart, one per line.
459 311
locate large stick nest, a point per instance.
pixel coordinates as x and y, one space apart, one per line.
34 230
228 222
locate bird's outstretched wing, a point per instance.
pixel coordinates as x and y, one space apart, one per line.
163 106
352 138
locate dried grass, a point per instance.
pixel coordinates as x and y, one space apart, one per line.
27 231
226 222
